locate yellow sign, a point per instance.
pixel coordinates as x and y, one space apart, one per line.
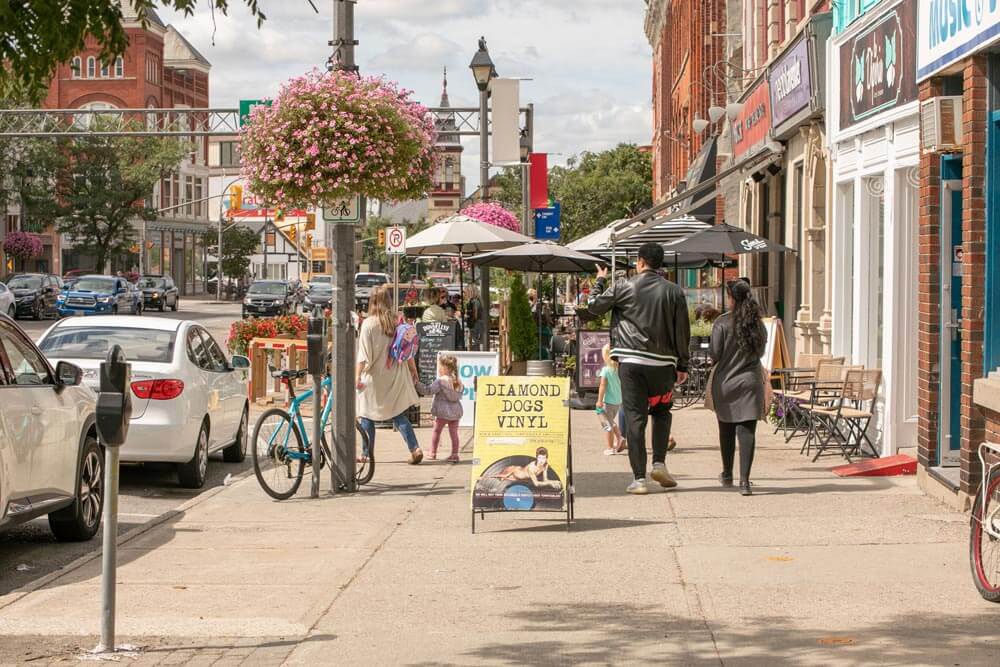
519 461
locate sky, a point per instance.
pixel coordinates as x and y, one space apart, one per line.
589 60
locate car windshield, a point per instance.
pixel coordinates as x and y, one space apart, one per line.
271 289
322 279
105 285
25 282
370 281
94 342
153 283
319 289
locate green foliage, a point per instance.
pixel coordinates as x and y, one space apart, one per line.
28 168
37 35
378 259
701 328
238 244
523 335
104 187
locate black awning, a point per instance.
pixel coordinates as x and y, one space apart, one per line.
700 170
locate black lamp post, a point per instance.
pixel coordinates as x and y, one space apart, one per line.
483 72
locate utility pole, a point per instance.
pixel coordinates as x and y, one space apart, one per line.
344 359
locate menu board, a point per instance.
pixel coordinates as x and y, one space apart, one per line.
434 337
589 358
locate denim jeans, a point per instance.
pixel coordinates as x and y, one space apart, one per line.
402 425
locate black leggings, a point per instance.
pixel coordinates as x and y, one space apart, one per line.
746 432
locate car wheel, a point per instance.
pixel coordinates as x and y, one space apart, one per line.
114 310
163 305
177 302
36 312
191 475
79 522
237 452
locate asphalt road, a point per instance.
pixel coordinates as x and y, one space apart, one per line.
29 551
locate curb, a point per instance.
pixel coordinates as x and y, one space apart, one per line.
32 586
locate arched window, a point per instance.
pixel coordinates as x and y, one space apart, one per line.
75 67
91 67
449 172
84 120
104 70
119 67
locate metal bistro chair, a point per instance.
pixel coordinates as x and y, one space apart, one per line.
847 425
826 394
795 387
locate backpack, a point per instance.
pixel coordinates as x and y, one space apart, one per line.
404 345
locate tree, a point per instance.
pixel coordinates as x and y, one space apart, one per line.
238 244
28 168
37 35
104 186
376 256
522 336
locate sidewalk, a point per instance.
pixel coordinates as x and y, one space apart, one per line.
811 570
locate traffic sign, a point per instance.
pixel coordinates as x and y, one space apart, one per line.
246 106
344 210
395 241
547 223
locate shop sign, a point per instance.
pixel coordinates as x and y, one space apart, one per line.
790 82
751 126
950 30
878 66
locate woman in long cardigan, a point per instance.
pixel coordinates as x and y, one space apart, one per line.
738 341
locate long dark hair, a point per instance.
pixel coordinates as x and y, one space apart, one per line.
750 335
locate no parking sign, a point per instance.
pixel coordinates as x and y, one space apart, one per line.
395 241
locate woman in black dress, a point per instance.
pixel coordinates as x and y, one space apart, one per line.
738 341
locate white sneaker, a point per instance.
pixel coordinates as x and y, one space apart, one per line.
637 487
661 475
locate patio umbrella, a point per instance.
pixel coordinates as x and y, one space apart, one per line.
461 235
724 239
541 257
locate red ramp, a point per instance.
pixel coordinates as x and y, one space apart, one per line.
900 464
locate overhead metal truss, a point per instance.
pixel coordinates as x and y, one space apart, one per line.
167 122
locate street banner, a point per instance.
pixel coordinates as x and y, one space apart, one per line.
504 95
521 448
538 179
473 365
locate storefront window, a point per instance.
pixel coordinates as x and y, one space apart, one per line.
178 263
845 205
199 262
167 253
189 257
155 252
874 212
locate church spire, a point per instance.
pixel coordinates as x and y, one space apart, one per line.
444 90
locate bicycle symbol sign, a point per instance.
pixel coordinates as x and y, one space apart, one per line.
395 241
345 210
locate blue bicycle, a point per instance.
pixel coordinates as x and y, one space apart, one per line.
281 448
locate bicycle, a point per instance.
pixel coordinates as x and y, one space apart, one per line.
984 538
693 390
281 447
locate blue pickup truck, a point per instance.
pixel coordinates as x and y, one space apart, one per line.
100 295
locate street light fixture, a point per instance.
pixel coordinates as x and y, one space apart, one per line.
715 113
699 125
482 66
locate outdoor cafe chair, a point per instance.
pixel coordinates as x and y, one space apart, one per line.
826 393
847 424
795 387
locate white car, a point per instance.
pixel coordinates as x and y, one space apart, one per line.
188 398
8 304
50 462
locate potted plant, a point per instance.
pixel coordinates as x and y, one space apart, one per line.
701 333
523 335
22 246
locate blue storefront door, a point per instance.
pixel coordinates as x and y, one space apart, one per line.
950 399
991 324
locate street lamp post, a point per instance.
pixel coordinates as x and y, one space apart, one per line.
527 224
483 71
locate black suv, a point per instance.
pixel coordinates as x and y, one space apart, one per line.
268 297
159 292
35 294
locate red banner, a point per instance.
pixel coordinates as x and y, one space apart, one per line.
539 180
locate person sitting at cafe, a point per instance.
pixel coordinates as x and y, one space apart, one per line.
434 312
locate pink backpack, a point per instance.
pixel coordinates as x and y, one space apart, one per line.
404 345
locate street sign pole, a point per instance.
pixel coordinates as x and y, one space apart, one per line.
395 245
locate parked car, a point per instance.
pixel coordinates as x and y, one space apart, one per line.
268 297
50 462
36 294
7 304
159 292
188 398
319 294
323 278
365 282
99 295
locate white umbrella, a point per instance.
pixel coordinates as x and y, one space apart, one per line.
461 235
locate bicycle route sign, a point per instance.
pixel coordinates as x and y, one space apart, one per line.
346 210
395 241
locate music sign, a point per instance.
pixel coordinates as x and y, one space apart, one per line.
790 82
751 126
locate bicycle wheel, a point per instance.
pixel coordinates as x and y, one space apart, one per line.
278 455
366 457
984 549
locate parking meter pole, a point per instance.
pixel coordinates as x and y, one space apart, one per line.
114 409
316 348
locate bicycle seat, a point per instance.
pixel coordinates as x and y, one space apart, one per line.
285 374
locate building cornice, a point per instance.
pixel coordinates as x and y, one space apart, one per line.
656 14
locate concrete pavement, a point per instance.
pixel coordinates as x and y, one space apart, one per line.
813 569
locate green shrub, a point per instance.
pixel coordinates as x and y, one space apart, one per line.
701 328
523 335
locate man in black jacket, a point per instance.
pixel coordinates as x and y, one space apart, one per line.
649 339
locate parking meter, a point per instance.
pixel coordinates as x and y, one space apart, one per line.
315 340
114 402
114 411
316 349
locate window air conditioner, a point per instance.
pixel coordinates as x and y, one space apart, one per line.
941 124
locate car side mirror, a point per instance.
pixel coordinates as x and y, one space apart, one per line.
239 363
68 375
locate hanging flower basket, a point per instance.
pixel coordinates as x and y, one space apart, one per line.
333 135
22 245
492 214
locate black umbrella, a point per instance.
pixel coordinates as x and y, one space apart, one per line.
723 239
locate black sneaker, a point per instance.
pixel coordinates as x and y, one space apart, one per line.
726 481
745 489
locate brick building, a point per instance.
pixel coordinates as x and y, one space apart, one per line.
159 70
959 251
